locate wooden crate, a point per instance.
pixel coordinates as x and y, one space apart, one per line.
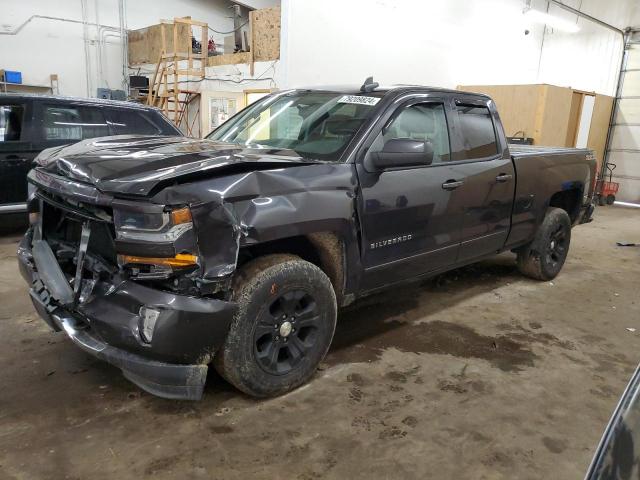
547 113
145 44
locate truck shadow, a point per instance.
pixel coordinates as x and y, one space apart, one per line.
407 318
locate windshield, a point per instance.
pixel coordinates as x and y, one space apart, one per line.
316 125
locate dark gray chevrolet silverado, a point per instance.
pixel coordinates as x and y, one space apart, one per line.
163 255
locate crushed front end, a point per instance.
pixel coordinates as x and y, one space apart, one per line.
124 280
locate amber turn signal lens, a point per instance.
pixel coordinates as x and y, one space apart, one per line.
180 260
182 215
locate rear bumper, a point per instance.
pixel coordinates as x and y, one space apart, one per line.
188 331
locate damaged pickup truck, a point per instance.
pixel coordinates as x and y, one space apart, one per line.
164 255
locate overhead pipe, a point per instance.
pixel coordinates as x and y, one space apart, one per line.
17 30
586 16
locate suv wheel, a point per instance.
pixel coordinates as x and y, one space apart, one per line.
284 325
543 258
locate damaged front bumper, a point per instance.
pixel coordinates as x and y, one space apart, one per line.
187 332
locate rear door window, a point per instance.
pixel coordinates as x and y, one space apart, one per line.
128 122
73 123
11 117
477 133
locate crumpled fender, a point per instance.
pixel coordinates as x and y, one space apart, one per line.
258 206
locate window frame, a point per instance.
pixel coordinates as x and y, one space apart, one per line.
392 113
476 102
55 103
23 122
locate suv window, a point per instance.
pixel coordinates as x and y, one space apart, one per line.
476 132
11 122
125 122
71 122
424 121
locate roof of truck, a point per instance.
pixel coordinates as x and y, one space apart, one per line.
352 89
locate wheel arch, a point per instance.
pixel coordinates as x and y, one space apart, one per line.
325 249
569 200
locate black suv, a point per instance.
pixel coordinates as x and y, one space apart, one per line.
31 123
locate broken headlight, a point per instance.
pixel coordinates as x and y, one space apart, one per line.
154 244
152 227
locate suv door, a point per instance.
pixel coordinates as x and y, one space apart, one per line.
16 153
410 216
484 165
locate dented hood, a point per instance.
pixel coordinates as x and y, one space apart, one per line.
136 164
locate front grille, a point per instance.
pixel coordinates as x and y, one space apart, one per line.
62 225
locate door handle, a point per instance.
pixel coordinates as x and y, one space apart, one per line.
452 184
504 177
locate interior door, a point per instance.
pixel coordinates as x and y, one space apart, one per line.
16 154
410 222
483 164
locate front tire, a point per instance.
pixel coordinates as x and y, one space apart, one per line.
544 257
284 326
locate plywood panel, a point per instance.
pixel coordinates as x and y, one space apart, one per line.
229 59
547 113
517 105
145 44
574 118
552 120
265 34
600 125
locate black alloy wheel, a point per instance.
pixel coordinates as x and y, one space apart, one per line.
558 244
286 331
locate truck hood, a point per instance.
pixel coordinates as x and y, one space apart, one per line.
136 164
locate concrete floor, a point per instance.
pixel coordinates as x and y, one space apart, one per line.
480 373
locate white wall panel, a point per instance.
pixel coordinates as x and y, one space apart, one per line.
45 46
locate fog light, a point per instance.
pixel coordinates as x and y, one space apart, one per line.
148 318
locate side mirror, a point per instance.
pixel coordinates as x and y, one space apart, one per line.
403 152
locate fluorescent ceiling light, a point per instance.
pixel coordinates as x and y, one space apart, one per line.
551 21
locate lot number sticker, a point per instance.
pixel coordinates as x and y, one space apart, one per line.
359 100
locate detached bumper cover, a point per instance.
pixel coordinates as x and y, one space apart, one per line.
187 333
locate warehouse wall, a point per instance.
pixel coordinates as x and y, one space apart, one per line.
590 59
447 43
46 46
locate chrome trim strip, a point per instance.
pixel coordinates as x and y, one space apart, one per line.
13 207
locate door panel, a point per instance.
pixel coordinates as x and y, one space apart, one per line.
488 197
489 181
411 223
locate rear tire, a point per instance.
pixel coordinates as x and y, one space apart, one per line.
611 199
284 326
602 200
544 257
